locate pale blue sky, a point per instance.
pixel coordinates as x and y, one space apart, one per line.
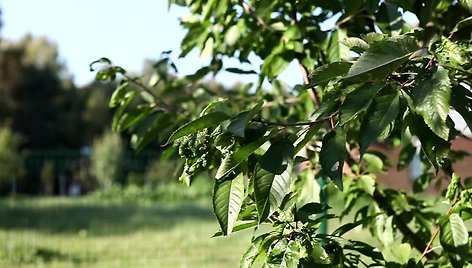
125 31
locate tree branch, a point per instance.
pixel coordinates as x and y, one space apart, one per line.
417 241
292 124
250 11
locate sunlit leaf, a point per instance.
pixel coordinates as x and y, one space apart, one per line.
431 98
382 58
228 196
206 121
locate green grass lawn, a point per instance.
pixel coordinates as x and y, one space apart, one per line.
78 232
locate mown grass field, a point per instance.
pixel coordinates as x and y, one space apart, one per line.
80 232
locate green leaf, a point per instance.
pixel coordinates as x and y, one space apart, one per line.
422 182
240 71
337 50
238 125
196 125
254 250
454 188
449 53
436 149
276 63
270 190
465 22
431 98
364 249
389 18
454 237
118 95
228 197
231 162
278 156
287 254
304 136
356 44
406 155
383 110
461 100
328 72
239 226
402 252
332 155
358 101
341 230
382 58
303 214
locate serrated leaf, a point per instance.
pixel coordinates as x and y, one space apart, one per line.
382 58
285 254
278 156
328 72
332 156
436 149
449 53
270 190
228 197
231 162
453 236
382 111
238 125
253 251
358 101
337 51
431 97
201 123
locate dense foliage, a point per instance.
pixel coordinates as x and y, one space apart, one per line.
368 77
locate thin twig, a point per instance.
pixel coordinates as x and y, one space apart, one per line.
385 205
292 124
436 233
250 11
160 103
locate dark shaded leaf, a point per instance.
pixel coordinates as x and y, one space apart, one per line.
270 190
278 156
383 110
332 155
358 101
